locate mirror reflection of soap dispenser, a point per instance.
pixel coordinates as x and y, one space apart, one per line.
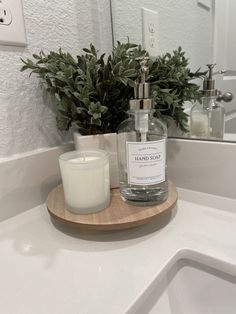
207 117
199 115
216 110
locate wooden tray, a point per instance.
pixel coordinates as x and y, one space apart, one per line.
118 215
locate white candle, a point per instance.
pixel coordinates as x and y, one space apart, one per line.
86 181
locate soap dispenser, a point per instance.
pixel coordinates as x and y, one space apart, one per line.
142 140
207 117
215 108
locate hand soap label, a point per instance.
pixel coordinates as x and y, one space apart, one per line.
146 162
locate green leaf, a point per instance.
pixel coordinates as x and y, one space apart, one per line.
96 121
86 50
122 80
96 115
63 123
129 73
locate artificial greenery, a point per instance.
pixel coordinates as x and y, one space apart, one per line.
92 91
171 86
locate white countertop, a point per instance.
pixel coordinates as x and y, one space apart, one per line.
45 271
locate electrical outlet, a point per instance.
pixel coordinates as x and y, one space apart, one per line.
12 27
5 15
151 27
152 42
150 31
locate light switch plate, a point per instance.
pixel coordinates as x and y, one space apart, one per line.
12 25
150 31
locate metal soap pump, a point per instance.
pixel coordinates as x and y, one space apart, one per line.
142 148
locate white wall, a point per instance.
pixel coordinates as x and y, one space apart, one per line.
27 119
181 23
225 50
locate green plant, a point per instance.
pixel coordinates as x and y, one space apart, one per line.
171 85
92 91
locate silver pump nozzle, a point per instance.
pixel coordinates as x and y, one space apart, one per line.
209 89
142 90
144 69
209 82
142 98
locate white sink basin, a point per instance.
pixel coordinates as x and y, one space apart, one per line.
189 287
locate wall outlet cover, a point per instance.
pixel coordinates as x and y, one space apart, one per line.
12 26
150 31
5 15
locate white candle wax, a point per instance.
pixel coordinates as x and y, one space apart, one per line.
86 182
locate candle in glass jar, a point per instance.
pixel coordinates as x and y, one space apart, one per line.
86 181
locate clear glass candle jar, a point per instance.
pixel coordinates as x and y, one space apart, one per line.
86 181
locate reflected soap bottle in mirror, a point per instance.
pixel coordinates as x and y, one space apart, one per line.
207 117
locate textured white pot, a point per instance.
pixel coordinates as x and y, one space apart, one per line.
107 142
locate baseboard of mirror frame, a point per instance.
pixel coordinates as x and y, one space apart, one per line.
209 167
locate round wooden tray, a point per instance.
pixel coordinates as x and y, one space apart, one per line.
118 215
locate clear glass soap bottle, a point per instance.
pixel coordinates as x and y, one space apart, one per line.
142 143
216 117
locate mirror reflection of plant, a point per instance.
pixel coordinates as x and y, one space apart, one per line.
171 86
92 91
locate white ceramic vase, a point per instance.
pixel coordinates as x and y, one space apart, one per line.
107 142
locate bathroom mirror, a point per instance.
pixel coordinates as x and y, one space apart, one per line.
203 29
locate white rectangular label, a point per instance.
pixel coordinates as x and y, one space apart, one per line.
146 162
